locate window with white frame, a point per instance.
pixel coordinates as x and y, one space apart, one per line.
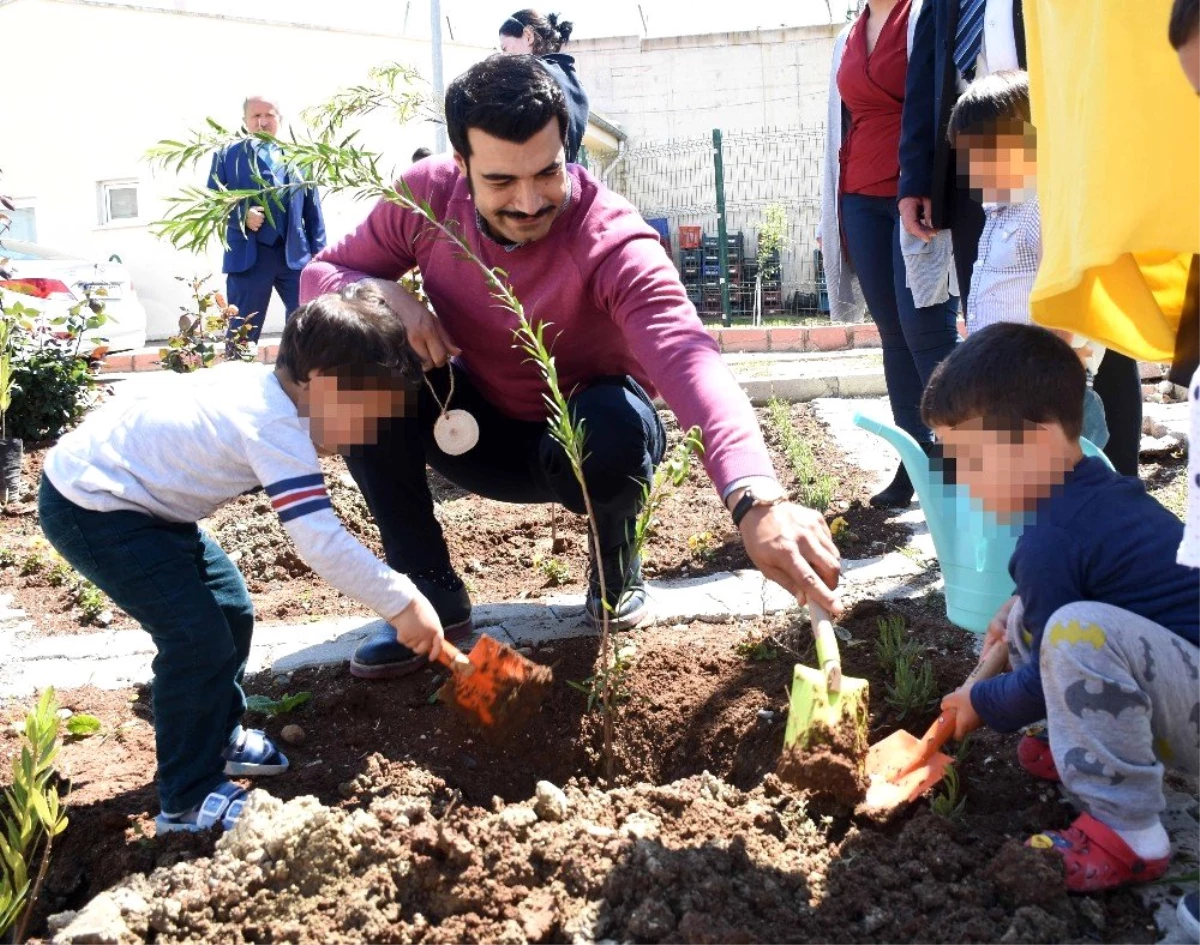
118 201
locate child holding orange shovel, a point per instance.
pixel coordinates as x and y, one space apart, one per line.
1102 631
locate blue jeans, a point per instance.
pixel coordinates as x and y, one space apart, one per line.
914 339
186 593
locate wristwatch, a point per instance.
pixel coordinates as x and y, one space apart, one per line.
750 499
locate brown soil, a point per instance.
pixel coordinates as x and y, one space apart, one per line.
503 552
422 831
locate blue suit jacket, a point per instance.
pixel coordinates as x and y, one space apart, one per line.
233 168
926 159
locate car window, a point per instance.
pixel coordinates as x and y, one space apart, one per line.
18 249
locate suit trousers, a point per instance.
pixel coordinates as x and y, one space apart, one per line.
250 291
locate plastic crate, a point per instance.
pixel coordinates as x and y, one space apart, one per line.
689 237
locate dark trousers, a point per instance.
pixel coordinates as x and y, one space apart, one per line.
965 231
250 291
514 461
191 599
1119 384
914 339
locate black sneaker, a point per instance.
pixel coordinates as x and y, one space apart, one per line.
382 657
628 605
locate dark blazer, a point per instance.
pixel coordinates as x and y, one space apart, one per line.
562 67
233 168
926 160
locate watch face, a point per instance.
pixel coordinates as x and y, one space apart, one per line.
769 494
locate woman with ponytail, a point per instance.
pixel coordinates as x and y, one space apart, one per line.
527 32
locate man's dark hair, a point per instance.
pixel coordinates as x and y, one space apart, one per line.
990 103
509 97
549 35
352 334
1009 376
420 154
1185 21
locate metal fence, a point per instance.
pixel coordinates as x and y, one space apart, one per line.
730 186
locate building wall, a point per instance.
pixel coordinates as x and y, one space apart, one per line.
684 86
117 79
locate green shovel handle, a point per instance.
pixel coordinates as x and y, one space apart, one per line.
828 655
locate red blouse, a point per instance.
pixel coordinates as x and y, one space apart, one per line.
872 89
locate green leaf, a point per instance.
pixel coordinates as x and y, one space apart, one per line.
82 725
260 704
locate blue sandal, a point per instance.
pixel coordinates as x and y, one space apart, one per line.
250 752
223 806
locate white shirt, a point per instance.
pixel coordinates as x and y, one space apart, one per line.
998 48
186 446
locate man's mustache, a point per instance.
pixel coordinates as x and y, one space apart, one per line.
517 215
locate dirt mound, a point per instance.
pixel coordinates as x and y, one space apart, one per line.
693 861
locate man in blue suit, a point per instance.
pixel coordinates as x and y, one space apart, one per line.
265 250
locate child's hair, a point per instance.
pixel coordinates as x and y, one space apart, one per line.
989 104
1009 376
1185 21
549 33
353 334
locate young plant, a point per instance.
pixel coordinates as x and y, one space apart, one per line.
276 707
81 725
948 802
913 689
91 600
555 572
32 815
60 574
757 648
614 679
8 558
206 333
814 488
34 563
702 546
893 645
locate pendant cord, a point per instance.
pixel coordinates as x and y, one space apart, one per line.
443 407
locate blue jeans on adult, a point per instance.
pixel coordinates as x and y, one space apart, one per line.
914 339
186 593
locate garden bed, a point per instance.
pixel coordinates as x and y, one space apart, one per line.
503 552
421 831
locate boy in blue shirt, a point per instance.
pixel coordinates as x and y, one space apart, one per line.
1102 631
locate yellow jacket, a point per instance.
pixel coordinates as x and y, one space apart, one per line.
1118 131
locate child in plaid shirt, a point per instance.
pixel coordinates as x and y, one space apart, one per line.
991 131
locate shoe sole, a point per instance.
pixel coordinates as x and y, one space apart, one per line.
244 769
455 634
628 622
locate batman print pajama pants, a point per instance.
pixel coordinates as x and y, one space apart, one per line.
1122 704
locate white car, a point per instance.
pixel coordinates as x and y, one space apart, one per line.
53 281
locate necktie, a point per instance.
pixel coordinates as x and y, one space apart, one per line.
969 36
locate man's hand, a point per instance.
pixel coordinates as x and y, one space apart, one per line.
966 719
255 217
426 334
792 546
916 213
418 627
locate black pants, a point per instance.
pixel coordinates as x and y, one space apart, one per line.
514 461
965 232
1119 385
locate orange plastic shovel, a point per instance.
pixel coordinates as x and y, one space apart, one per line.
901 768
495 688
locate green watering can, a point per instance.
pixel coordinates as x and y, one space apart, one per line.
972 545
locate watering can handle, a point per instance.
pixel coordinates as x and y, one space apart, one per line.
828 654
943 726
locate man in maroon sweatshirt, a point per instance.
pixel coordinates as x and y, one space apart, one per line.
582 261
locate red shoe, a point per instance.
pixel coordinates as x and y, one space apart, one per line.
1035 757
1095 858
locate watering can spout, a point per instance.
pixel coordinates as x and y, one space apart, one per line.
927 483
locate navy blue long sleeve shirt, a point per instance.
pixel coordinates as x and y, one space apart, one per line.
1098 537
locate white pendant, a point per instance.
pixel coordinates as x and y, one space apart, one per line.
455 432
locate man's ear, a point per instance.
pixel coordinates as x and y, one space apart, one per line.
461 163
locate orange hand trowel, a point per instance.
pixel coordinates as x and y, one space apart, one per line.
495 688
901 767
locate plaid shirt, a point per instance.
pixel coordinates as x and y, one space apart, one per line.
1010 250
